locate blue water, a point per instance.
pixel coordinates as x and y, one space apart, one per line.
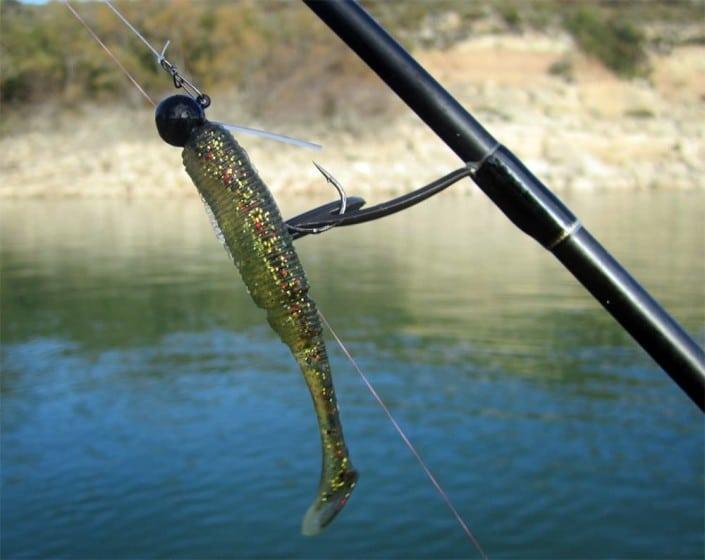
149 412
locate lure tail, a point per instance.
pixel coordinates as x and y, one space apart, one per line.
338 477
320 513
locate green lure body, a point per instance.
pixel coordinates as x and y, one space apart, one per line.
254 233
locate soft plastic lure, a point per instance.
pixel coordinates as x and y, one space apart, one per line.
259 243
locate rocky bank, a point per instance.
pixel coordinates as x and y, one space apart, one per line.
575 124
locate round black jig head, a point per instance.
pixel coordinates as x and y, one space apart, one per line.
176 118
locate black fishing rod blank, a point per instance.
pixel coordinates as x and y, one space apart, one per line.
528 203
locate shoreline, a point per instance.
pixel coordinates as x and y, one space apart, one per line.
591 132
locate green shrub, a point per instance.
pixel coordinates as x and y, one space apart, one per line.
255 45
618 44
640 113
509 13
562 68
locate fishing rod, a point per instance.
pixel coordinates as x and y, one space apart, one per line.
527 202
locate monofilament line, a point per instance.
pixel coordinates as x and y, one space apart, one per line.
180 81
407 441
133 29
110 54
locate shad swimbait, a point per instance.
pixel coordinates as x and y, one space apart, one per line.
261 247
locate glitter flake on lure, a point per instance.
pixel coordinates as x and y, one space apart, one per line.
259 243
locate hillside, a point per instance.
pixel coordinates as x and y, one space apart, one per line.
576 121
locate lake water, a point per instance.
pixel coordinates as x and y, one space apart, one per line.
149 412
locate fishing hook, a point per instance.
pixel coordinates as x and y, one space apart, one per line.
333 181
340 205
347 211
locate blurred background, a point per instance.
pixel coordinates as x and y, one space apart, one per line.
149 411
593 95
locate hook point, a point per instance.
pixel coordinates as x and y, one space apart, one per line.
325 173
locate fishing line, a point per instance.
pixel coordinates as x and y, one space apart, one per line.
181 82
158 54
110 54
406 440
